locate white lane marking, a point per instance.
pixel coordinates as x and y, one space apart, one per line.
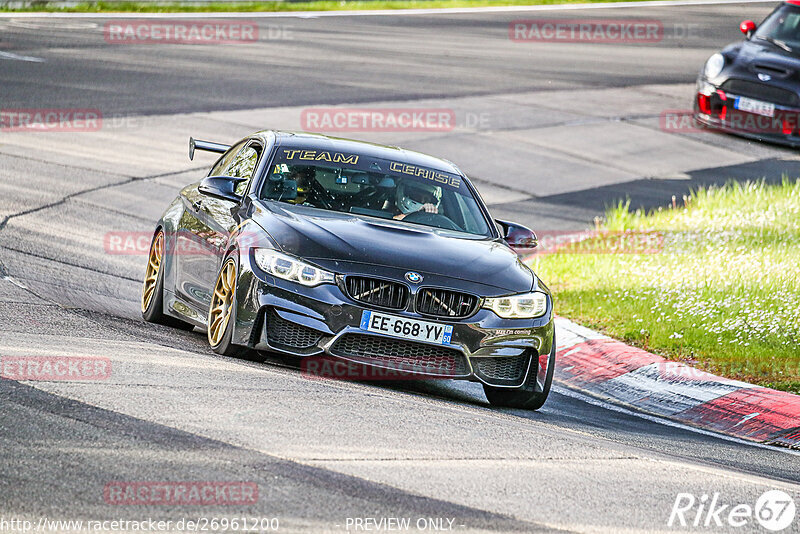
385 12
53 25
569 334
15 282
9 55
667 422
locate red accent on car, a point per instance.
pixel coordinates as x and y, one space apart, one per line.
723 97
786 127
793 2
749 26
704 103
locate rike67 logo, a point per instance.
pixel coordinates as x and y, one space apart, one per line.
774 511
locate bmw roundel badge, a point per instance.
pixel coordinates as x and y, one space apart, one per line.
414 278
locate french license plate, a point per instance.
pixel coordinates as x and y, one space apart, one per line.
404 328
754 106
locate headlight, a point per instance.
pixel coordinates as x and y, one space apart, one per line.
714 66
290 268
524 306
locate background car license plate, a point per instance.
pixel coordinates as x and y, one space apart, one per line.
754 106
405 328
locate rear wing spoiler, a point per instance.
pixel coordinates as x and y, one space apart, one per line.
208 146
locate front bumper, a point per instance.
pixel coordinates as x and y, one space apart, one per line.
280 316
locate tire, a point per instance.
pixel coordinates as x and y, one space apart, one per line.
223 309
152 300
525 397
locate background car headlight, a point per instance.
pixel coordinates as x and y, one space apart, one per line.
290 268
714 65
524 306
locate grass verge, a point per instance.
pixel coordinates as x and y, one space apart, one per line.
721 291
311 5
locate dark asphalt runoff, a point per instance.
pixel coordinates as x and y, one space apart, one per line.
573 127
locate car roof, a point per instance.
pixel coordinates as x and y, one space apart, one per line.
314 141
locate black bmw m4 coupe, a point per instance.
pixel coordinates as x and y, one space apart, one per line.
311 246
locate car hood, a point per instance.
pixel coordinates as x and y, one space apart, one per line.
343 242
755 57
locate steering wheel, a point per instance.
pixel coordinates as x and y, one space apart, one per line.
431 219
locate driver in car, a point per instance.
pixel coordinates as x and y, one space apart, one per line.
413 197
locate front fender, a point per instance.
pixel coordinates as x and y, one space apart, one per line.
243 240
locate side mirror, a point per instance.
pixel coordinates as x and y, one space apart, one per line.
517 236
747 27
222 187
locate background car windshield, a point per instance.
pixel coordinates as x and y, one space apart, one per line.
374 187
782 26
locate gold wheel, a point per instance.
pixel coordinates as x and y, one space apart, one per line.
153 266
221 303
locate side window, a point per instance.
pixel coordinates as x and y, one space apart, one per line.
240 161
224 161
243 166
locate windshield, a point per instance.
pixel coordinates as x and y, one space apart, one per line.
353 183
782 29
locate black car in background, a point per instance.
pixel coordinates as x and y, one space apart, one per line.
311 246
752 88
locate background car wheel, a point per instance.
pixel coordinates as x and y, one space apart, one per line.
222 312
525 397
153 288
